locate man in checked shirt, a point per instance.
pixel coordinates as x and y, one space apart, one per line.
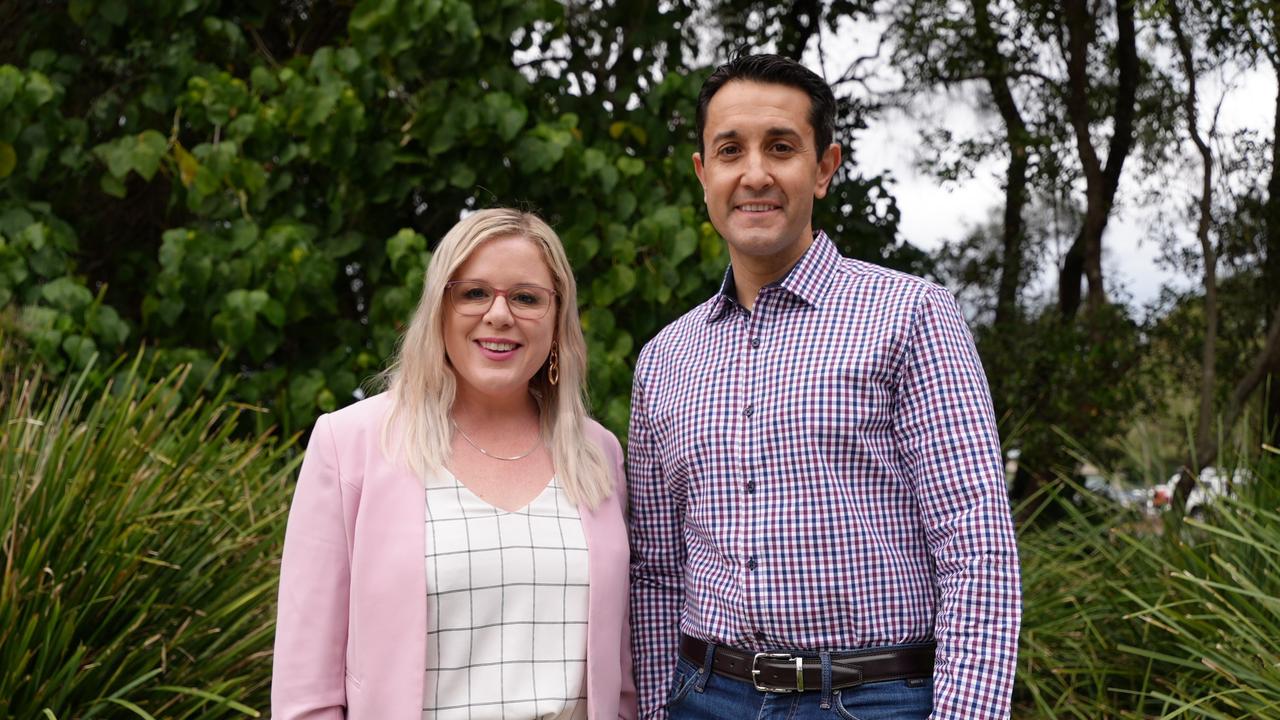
818 515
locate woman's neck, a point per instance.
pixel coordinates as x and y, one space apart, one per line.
473 409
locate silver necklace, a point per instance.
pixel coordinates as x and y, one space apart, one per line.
488 454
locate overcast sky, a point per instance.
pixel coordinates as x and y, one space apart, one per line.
934 212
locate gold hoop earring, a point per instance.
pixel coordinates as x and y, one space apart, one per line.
553 365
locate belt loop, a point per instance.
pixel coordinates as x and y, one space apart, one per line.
825 700
705 673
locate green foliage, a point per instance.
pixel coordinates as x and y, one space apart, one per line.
1083 379
267 184
140 549
1073 614
1129 617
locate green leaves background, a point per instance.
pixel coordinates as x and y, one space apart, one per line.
215 178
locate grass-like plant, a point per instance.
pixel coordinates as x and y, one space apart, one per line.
140 537
1130 617
139 544
1218 648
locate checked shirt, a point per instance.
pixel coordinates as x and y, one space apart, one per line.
823 473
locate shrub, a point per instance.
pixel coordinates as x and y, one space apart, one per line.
1133 617
140 546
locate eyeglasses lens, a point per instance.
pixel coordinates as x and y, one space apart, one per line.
525 301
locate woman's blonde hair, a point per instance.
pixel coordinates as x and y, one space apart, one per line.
422 384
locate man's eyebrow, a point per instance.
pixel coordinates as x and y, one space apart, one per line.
773 132
777 131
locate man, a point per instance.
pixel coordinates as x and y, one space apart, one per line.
818 517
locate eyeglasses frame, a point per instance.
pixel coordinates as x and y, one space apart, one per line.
555 296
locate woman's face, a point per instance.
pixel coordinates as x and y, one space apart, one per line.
496 352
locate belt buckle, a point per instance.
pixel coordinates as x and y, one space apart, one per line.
755 672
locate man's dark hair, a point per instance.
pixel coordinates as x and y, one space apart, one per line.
777 70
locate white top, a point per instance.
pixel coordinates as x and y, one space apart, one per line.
506 607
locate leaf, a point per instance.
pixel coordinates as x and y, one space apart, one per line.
139 153
80 349
10 81
105 323
80 10
403 243
39 89
188 166
667 217
370 13
34 235
593 160
533 155
273 311
626 204
196 692
339 246
630 166
510 114
36 139
117 157
8 159
608 178
321 103
150 148
66 294
115 11
444 137
263 80
112 186
462 177
684 244
347 60
132 707
624 279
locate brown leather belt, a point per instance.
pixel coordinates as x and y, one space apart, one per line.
788 672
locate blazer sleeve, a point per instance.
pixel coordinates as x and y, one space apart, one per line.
309 666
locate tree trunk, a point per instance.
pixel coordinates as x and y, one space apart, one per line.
1266 358
1085 257
1271 262
1208 360
1015 187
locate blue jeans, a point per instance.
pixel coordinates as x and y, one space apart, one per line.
697 694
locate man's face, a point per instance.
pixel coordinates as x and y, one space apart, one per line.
761 172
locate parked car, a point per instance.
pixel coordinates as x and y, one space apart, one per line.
1114 488
1212 484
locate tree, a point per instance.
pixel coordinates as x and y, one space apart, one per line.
1215 32
266 182
1079 22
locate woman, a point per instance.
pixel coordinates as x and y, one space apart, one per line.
469 517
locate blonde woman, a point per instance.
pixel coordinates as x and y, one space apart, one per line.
456 547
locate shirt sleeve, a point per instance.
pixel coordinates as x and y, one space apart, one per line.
309 664
657 559
947 439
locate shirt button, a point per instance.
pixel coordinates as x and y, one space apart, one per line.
755 342
751 563
751 486
749 411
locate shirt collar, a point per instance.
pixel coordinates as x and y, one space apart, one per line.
807 279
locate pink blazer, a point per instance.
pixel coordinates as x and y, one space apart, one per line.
351 634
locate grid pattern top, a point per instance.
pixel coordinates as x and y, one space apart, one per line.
506 607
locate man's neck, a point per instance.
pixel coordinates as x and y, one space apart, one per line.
752 272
